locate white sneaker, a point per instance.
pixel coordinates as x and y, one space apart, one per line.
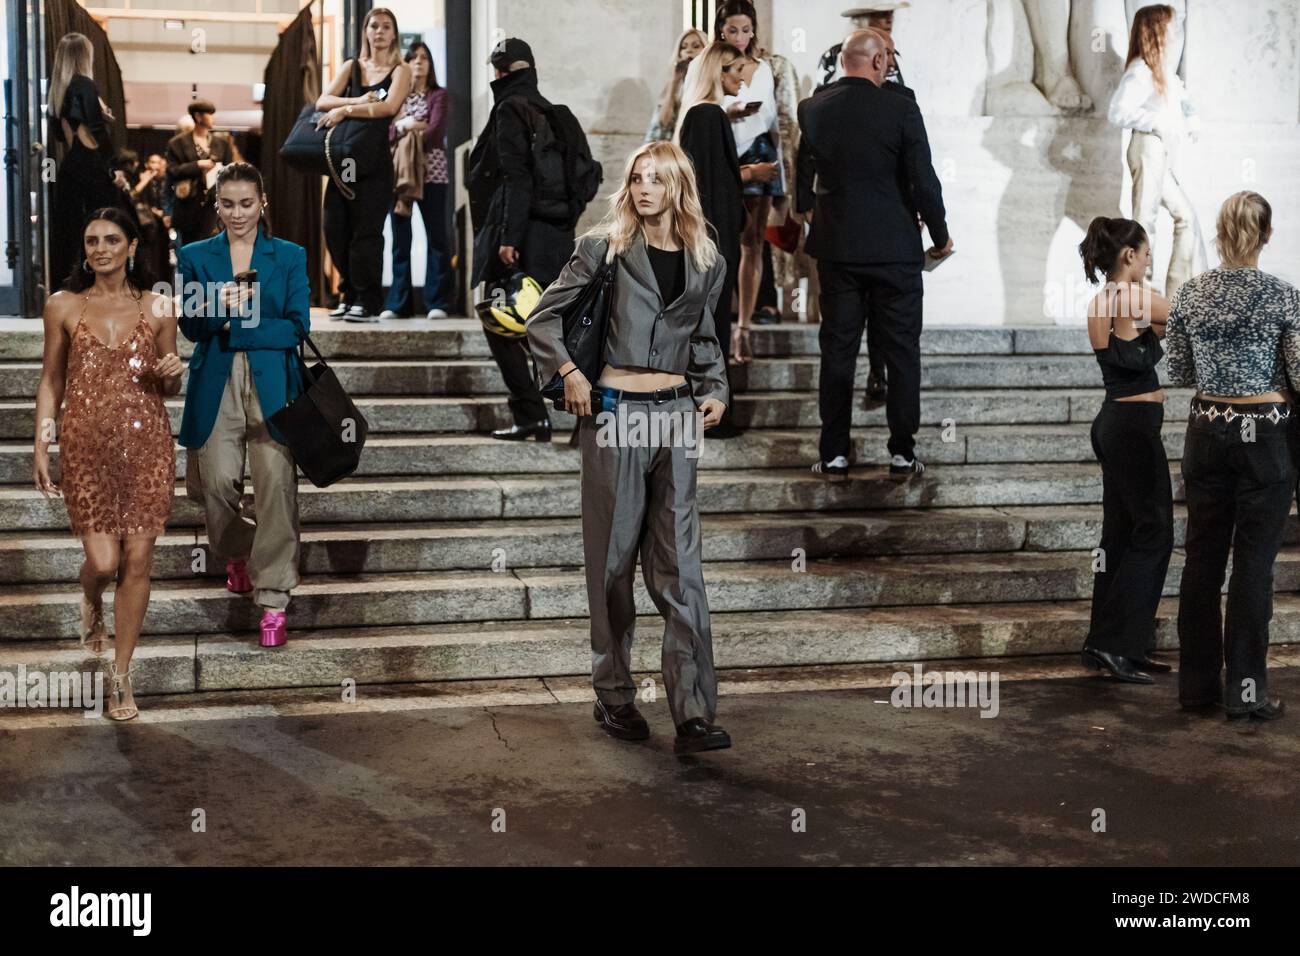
839 465
389 314
903 467
339 311
358 313
436 314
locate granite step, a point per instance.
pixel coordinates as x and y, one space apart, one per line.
22 339
460 454
788 409
50 612
409 376
720 491
482 651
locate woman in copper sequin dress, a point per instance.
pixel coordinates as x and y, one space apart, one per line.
104 335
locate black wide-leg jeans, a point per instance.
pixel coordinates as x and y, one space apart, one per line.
1240 479
1137 532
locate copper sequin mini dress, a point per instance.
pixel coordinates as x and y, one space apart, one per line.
116 453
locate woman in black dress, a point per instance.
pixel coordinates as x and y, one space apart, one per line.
84 180
371 89
704 134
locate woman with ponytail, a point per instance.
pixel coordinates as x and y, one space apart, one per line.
1234 333
245 303
1125 324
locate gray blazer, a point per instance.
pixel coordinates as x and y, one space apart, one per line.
645 332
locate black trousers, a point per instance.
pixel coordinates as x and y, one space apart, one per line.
354 236
723 317
1239 487
1137 531
888 296
544 253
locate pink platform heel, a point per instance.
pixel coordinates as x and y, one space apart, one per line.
237 579
273 629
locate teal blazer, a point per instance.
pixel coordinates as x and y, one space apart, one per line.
284 320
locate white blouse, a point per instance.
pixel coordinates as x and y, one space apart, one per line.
1136 104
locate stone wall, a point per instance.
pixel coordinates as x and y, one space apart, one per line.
1020 190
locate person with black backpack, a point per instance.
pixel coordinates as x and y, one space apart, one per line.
530 177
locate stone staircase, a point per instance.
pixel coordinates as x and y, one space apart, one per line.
451 556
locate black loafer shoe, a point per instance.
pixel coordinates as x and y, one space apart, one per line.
1271 710
698 735
538 430
623 721
1120 668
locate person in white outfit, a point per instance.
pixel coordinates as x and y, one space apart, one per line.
1152 102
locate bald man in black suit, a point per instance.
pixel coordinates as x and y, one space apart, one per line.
864 172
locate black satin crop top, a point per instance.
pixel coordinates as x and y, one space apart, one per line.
1128 366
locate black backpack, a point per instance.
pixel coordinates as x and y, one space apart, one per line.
564 171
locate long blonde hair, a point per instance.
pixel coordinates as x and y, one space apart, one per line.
73 56
704 82
667 97
1242 228
395 51
622 224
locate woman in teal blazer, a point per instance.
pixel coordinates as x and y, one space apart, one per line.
242 372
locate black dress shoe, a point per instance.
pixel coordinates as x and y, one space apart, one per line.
1270 710
697 735
1120 667
538 430
623 721
876 385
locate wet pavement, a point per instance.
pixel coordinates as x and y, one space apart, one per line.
826 775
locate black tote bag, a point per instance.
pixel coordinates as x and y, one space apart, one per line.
326 151
322 426
586 327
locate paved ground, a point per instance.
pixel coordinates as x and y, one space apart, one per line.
415 776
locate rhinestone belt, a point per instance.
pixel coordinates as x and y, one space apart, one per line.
1211 412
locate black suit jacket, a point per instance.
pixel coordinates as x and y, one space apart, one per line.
183 163
864 168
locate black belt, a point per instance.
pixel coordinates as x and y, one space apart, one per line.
658 396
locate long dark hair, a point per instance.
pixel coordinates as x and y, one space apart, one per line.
737 8
432 82
1105 240
245 173
137 277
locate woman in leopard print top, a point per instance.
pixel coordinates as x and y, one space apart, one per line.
1234 333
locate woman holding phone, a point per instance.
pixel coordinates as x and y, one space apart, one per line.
242 372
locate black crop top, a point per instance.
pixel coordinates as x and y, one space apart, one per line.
670 272
1128 366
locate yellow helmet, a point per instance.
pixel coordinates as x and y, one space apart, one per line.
507 306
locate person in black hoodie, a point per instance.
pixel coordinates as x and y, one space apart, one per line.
523 221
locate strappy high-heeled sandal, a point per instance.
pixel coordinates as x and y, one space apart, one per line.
119 685
94 635
742 352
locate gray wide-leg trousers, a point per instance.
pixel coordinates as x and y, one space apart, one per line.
642 500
